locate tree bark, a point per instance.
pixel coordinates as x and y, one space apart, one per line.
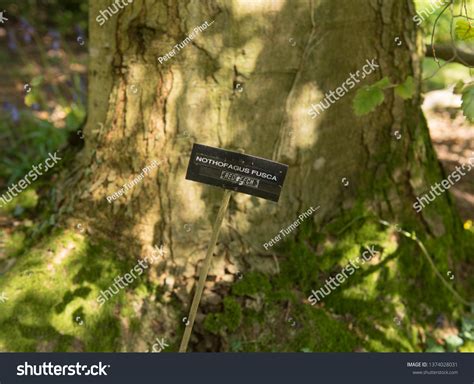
245 83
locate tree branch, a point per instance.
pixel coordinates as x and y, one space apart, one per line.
449 53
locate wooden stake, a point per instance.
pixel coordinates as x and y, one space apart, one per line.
205 270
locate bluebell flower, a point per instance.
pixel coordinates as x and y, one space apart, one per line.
27 30
11 39
13 110
56 39
24 23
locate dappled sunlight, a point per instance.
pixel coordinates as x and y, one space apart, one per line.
305 129
62 254
242 8
192 207
261 80
57 305
246 62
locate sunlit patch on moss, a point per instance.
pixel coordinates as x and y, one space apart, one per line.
13 243
52 292
27 199
381 307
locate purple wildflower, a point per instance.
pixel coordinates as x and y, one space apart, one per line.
11 39
27 29
56 39
13 110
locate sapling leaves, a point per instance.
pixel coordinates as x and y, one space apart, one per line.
464 30
406 90
369 97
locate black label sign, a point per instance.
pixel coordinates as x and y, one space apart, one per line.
232 170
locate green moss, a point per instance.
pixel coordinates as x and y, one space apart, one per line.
52 292
14 243
53 287
230 319
232 314
27 199
307 329
381 307
320 332
213 323
251 284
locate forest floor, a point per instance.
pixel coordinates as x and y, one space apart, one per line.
394 305
49 306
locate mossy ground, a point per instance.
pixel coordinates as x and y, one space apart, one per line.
51 283
392 303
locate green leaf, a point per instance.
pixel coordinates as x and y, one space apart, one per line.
37 81
382 84
30 99
468 323
406 90
432 346
468 328
435 349
453 342
367 99
468 336
468 102
464 30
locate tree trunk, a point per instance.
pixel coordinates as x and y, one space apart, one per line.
246 83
